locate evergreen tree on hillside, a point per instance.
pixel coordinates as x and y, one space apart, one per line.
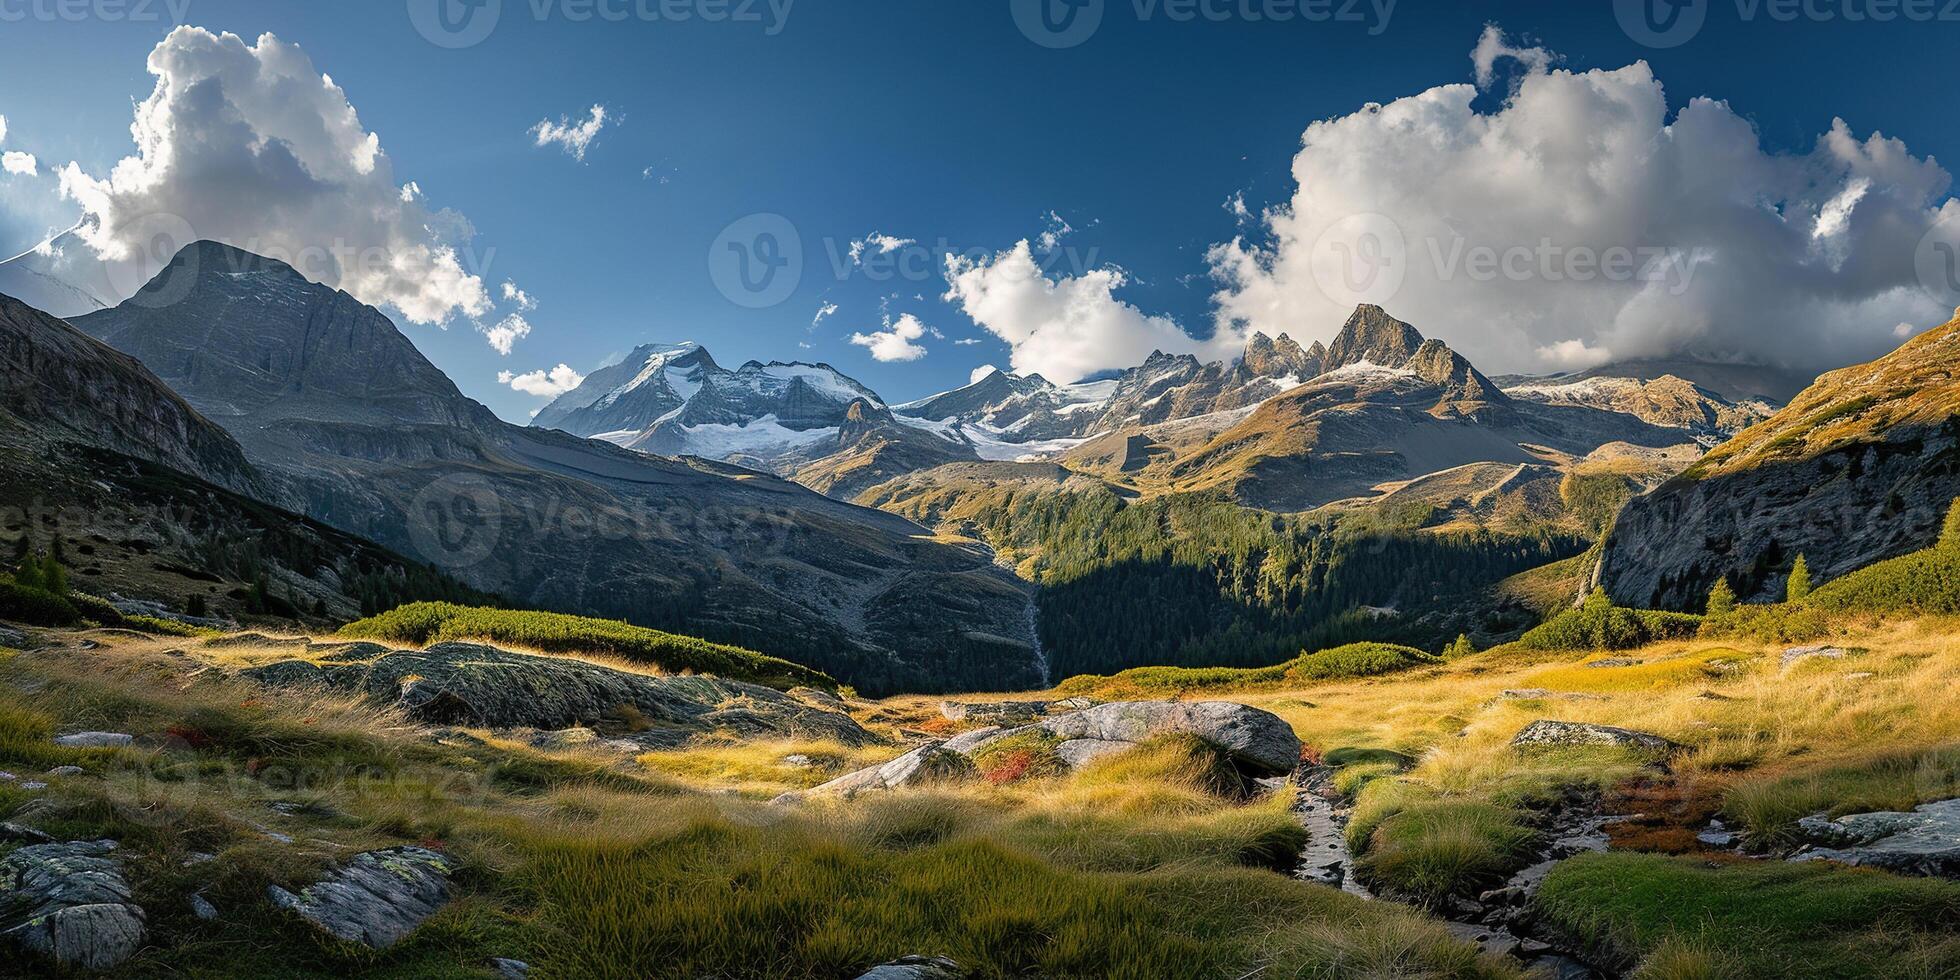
1950 532
1799 585
1461 648
54 578
1721 598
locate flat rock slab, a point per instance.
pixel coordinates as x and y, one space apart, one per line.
377 899
927 764
1259 741
474 684
1795 655
1079 752
1560 733
70 903
1003 712
95 740
1923 842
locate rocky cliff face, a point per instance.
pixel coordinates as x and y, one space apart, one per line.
360 431
1859 467
59 384
1666 401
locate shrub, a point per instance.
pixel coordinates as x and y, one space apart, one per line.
1780 623
1459 649
1799 585
1721 598
1600 625
1950 530
424 623
1353 660
98 610
29 605
1357 660
1924 582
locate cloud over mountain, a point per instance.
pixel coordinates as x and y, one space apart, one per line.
249 144
1577 221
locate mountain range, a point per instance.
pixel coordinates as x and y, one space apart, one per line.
790 508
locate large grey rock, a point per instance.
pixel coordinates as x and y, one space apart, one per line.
994 712
1796 655
1563 733
967 743
1079 752
70 903
95 740
1259 741
377 899
915 968
1925 841
473 684
925 765
13 639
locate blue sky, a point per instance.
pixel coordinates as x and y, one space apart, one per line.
930 120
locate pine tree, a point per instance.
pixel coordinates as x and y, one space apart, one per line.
196 606
54 578
1950 532
1721 598
1461 648
1799 585
28 575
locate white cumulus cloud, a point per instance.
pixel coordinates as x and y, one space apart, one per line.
504 336
1069 327
574 138
543 383
518 297
250 145
877 243
899 341
16 162
1582 221
981 373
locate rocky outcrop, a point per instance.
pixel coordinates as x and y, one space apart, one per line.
1572 733
1924 842
993 712
377 899
1860 467
71 904
928 764
473 684
915 968
1258 741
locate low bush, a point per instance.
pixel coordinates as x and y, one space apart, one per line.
1600 625
35 607
424 623
1924 582
1336 663
1357 660
1753 920
1777 623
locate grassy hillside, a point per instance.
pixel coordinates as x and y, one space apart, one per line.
424 623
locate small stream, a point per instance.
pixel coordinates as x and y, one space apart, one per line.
1498 921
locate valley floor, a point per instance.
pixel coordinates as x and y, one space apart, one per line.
582 860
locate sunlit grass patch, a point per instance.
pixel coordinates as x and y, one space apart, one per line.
1701 667
1770 807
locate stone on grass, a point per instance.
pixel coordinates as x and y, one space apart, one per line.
13 639
66 771
1797 654
1258 741
203 909
71 904
915 968
1562 733
510 969
95 740
1614 662
1923 842
1010 712
967 743
377 899
569 738
927 764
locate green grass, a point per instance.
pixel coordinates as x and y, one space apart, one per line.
1770 808
1600 625
35 607
1767 919
167 627
425 623
1351 660
1433 849
1028 755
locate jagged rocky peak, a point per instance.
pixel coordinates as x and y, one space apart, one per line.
1371 335
1281 357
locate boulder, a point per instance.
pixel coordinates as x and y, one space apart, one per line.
992 712
13 639
377 899
1079 752
1925 841
915 968
1259 741
1614 662
477 685
967 743
95 740
70 903
1558 733
929 763
569 738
